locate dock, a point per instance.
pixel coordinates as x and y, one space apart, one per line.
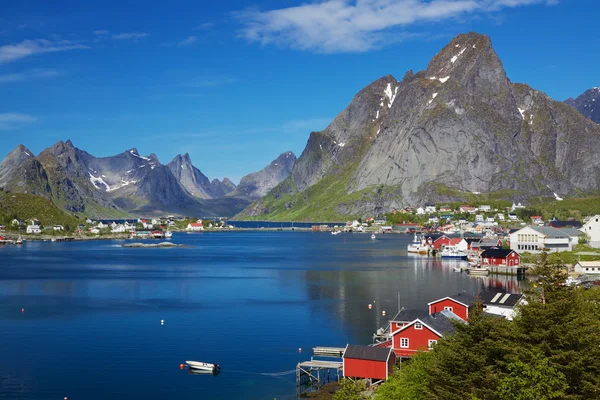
311 375
500 270
328 351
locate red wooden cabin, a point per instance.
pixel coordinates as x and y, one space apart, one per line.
367 362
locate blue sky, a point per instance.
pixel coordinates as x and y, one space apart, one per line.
236 83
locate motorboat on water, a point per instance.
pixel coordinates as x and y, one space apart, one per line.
202 366
19 240
336 232
168 235
457 269
417 246
373 237
453 254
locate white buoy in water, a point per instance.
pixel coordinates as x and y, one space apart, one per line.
162 321
383 313
299 349
370 306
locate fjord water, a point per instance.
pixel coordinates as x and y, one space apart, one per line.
91 327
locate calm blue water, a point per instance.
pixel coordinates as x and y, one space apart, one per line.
246 300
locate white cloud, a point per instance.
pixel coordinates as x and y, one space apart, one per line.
130 35
10 121
188 41
14 52
332 26
28 75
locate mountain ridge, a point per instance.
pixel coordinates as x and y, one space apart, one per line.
460 123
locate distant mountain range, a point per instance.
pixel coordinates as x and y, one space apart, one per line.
588 104
131 184
457 129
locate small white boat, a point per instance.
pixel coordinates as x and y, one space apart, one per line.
373 237
478 271
457 269
336 232
19 240
453 254
168 235
202 366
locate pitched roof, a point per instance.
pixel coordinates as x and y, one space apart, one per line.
441 322
563 224
463 298
571 231
455 241
406 315
488 243
500 298
367 352
496 252
549 231
589 263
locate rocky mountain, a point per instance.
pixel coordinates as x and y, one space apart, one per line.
460 126
257 184
587 104
129 183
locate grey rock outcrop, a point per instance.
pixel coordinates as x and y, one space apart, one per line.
257 184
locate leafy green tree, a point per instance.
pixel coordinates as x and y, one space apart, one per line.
535 379
350 390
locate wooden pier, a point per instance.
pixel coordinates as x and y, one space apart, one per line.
500 270
311 375
328 351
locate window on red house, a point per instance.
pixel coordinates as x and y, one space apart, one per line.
418 325
404 343
431 343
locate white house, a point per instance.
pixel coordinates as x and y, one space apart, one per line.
592 229
101 225
119 229
587 267
513 217
500 216
420 211
34 229
535 238
490 219
502 304
430 209
58 228
434 220
516 206
485 208
479 218
195 226
95 231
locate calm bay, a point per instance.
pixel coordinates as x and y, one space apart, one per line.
82 319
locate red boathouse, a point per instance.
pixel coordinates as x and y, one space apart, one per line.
367 362
500 257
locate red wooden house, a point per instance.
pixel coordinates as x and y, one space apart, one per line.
500 257
367 362
405 317
441 241
422 333
458 304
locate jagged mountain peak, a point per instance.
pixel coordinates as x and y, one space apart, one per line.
19 151
588 104
257 184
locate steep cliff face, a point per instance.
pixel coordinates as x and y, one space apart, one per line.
190 177
257 184
460 125
587 104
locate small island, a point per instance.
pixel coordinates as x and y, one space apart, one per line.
153 245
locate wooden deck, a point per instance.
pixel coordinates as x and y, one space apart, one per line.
328 351
311 375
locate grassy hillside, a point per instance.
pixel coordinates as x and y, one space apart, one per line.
25 206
